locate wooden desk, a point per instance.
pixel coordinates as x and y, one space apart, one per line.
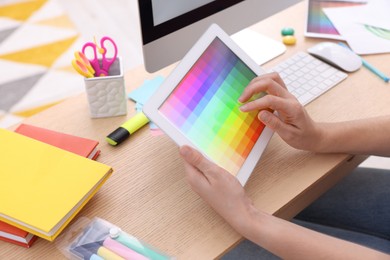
147 195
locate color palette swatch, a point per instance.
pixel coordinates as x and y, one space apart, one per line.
204 107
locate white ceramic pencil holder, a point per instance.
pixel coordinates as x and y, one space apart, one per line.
107 95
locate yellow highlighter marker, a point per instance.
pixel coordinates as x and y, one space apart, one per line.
127 129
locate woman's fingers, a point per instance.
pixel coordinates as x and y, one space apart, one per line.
269 83
279 104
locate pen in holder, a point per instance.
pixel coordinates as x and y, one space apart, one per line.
107 94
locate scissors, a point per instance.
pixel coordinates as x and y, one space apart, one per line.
82 65
101 67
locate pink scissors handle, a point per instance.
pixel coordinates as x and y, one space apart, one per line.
95 61
101 67
107 62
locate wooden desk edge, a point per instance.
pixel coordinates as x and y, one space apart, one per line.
320 187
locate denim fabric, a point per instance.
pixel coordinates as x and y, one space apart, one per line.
360 202
357 209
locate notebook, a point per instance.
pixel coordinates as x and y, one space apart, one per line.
43 187
78 145
75 144
16 235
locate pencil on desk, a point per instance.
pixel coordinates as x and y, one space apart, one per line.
375 70
369 66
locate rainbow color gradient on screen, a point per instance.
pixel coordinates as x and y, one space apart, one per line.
204 106
318 22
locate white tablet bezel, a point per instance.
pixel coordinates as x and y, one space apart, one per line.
315 34
153 104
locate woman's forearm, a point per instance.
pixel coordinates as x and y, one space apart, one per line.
366 136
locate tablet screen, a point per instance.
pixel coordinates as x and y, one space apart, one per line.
204 106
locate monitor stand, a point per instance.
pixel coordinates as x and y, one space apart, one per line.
259 47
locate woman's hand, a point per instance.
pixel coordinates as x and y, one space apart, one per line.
221 190
291 122
224 193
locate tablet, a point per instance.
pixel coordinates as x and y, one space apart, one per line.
197 104
318 25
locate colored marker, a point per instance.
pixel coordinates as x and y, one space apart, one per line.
94 251
95 257
127 129
108 254
85 253
134 244
122 250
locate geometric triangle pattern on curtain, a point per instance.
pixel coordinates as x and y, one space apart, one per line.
37 40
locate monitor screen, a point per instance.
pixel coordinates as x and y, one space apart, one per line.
163 12
161 17
170 28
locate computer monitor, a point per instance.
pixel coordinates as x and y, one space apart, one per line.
170 28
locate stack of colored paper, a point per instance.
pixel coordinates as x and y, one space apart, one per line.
16 235
43 187
75 144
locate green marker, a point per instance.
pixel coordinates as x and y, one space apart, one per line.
127 129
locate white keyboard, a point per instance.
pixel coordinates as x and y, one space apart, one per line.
307 77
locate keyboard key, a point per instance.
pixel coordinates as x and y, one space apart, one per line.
307 77
305 98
